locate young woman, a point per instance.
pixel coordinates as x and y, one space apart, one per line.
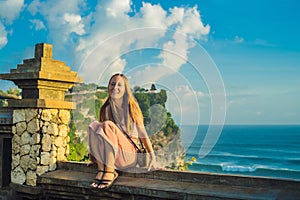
109 147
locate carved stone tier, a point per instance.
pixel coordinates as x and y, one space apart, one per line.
43 80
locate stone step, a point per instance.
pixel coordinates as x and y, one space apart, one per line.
5 194
67 184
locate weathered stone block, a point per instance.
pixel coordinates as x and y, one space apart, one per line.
41 170
14 130
30 114
45 158
65 141
67 150
63 130
64 116
33 126
35 139
46 124
16 139
18 176
31 178
51 129
46 142
53 112
24 162
52 164
32 163
46 115
34 151
25 138
61 154
16 148
25 149
21 127
15 160
18 115
43 50
59 141
54 148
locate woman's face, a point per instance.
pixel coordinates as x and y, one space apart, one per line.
116 87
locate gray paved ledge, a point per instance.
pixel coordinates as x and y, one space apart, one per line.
72 180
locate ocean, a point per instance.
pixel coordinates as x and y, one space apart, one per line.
252 150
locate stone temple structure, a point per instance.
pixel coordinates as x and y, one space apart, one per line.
40 119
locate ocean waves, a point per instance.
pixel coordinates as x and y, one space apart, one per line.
252 170
251 158
229 167
272 151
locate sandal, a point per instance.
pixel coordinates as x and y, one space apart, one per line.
107 183
96 182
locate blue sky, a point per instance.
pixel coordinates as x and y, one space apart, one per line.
199 51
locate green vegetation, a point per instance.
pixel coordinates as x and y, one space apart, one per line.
10 93
188 162
78 148
146 102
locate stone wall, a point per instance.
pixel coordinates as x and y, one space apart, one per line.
40 139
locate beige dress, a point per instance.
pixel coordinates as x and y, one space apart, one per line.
124 152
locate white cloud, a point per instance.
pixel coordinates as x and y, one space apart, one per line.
63 19
3 36
185 25
152 16
192 24
10 10
37 24
74 22
101 37
118 8
34 7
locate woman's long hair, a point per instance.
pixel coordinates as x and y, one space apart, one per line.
132 110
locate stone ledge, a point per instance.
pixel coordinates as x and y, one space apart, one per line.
195 177
67 183
40 103
61 180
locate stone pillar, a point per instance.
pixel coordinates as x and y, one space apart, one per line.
41 117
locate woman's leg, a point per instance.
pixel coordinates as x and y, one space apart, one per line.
106 172
109 173
111 149
98 178
103 143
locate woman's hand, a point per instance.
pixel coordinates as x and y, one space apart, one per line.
153 165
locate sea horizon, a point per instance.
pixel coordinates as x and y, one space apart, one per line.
252 150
